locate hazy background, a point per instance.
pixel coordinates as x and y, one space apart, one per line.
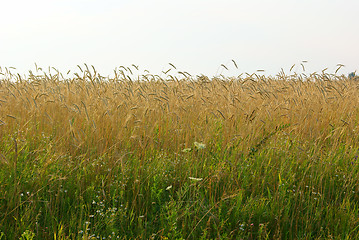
195 35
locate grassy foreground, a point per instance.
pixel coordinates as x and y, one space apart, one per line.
193 158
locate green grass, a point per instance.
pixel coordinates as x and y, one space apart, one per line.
275 193
270 183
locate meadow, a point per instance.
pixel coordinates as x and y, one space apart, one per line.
178 156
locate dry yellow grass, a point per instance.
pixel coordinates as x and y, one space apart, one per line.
89 113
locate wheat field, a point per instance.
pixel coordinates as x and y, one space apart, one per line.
178 157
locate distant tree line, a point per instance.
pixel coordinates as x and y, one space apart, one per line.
352 75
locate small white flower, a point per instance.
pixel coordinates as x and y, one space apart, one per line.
187 150
199 145
169 187
195 179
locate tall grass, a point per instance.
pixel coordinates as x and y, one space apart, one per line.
178 157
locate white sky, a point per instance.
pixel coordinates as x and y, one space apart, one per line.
195 35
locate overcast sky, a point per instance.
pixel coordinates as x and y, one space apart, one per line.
195 35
